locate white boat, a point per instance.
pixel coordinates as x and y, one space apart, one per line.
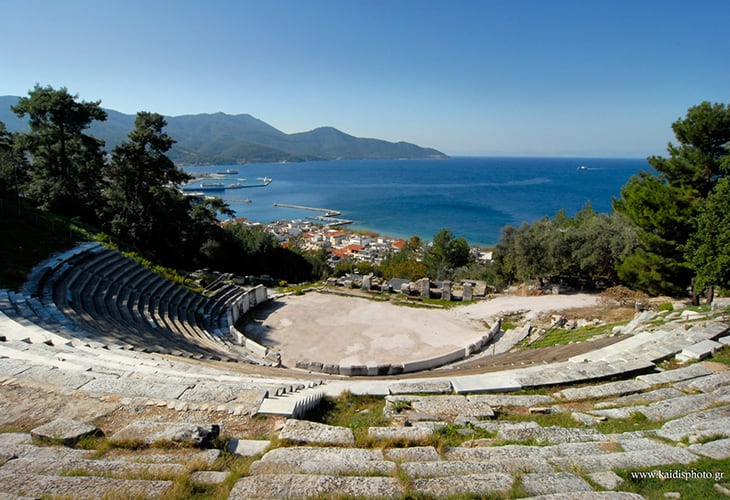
583 167
228 171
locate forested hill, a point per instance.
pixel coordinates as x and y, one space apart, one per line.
220 138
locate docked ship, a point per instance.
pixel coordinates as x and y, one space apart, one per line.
205 186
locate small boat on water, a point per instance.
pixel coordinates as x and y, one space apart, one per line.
265 180
228 171
583 167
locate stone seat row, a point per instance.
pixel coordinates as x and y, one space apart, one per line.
130 374
92 292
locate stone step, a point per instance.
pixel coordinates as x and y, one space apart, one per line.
284 486
108 468
80 487
540 483
659 455
495 483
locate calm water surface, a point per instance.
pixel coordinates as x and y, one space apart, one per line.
473 197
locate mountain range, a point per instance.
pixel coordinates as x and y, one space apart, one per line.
222 139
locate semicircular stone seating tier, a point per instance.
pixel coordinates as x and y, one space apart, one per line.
98 295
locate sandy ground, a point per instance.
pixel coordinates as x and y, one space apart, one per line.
353 331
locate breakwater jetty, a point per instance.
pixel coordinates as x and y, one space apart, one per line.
330 217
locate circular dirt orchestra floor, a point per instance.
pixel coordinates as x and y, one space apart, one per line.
354 331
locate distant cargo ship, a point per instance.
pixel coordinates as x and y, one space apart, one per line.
228 171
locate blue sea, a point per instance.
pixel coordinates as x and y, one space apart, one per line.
472 197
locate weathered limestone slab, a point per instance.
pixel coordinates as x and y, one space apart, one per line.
510 451
677 407
324 467
12 367
700 350
699 424
137 388
586 419
708 383
718 449
56 467
454 468
508 400
553 435
642 398
606 479
65 431
248 447
670 376
302 485
590 495
413 454
58 377
421 387
626 460
157 456
222 393
498 425
302 431
488 382
441 406
298 454
609 389
148 433
538 483
81 487
623 412
208 477
475 484
409 434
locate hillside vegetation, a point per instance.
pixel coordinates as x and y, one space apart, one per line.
220 139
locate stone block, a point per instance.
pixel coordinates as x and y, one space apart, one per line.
248 447
303 431
446 290
406 434
606 479
468 293
455 468
303 486
610 389
421 387
412 454
670 376
536 483
700 350
469 484
718 449
65 431
698 424
208 477
81 487
149 433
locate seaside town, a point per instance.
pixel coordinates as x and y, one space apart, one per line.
341 244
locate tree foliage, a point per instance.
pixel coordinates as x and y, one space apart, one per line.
709 248
65 163
445 255
590 245
665 204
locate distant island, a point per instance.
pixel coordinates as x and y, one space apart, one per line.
222 139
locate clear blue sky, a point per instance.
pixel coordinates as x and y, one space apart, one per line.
482 77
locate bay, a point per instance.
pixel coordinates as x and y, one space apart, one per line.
472 197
